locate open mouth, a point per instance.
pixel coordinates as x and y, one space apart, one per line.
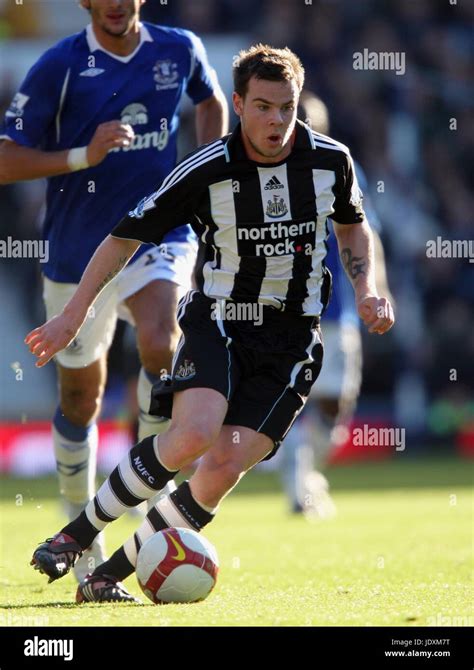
274 138
115 16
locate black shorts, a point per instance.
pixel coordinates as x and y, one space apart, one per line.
264 371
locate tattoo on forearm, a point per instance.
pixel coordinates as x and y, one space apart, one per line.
355 265
110 275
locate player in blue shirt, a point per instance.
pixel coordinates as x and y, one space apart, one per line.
333 399
98 115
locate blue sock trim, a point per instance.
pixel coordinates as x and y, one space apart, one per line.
69 430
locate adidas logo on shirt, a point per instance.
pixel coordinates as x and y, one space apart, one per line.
273 183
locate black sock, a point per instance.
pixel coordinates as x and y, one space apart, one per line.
118 565
139 476
193 516
81 530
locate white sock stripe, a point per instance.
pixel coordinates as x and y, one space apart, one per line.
99 504
171 515
93 518
145 531
109 502
131 550
132 481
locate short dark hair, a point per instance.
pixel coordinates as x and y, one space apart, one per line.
265 62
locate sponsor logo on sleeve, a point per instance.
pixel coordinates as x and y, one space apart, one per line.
17 105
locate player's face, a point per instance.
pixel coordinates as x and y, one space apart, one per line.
268 115
115 17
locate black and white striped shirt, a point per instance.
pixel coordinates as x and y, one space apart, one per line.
263 226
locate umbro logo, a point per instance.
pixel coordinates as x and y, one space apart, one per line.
91 72
273 183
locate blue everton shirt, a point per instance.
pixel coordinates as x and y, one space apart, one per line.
77 85
342 304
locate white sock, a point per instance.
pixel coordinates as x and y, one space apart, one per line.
75 449
166 514
148 424
297 461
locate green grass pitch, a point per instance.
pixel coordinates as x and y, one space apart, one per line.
398 553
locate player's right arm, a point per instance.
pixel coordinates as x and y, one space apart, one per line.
19 162
109 259
35 114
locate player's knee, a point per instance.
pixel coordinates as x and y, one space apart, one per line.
190 442
80 406
156 347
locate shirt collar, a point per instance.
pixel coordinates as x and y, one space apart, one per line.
235 149
94 45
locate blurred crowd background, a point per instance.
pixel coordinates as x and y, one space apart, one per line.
413 134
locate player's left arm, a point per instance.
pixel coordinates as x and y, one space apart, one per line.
212 110
381 279
356 250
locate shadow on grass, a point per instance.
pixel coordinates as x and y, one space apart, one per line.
67 605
